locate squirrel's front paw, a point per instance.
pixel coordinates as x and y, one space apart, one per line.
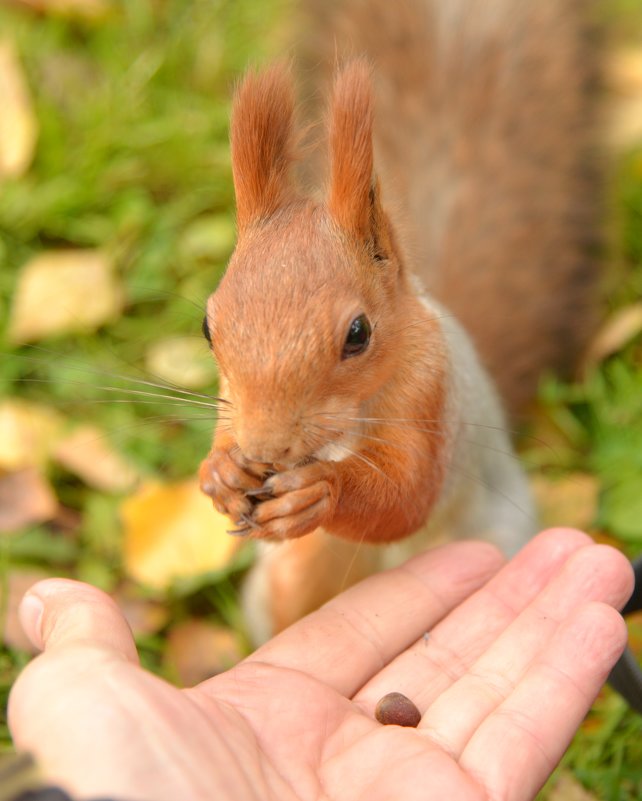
227 480
299 500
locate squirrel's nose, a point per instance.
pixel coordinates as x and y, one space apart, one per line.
264 444
264 434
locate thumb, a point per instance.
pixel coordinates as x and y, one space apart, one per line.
59 612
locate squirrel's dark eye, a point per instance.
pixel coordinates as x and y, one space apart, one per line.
358 337
206 330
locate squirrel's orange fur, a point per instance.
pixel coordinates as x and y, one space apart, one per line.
351 159
403 438
279 318
263 144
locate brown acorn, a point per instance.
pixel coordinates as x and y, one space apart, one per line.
396 709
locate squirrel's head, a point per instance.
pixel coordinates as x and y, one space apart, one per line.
307 321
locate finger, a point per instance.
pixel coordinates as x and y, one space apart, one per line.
297 478
594 573
58 612
220 472
291 503
235 506
356 634
516 748
435 662
296 525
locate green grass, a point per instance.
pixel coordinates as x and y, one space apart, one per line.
133 158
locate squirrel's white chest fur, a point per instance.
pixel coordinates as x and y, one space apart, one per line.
486 494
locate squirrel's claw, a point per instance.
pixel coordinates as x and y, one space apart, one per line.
239 532
260 493
245 525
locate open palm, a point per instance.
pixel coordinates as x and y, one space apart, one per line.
502 661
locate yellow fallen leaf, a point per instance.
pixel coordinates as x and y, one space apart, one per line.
615 334
172 531
184 361
568 501
624 76
25 498
28 432
197 649
64 291
87 454
18 126
624 70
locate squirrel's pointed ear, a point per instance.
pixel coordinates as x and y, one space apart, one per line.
263 143
351 160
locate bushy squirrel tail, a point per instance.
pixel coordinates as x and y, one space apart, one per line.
484 129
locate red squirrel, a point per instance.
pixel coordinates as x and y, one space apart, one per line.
371 332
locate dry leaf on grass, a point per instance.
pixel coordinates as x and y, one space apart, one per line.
87 454
28 432
624 71
60 292
144 615
171 532
184 361
92 10
197 650
615 334
18 125
19 581
568 501
25 498
567 788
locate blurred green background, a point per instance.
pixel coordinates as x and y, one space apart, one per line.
129 102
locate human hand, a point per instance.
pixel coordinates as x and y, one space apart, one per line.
515 656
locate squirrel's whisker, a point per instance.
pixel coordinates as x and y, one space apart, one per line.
398 420
360 433
137 393
84 368
424 321
393 444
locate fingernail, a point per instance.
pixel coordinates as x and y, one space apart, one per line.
30 616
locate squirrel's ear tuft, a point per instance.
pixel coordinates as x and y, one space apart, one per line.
263 143
351 160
